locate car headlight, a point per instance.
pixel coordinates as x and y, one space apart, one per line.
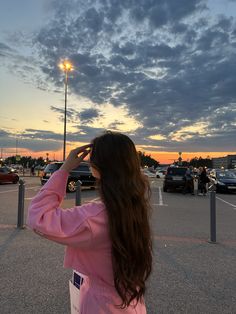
220 183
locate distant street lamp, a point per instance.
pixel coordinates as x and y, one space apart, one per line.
66 66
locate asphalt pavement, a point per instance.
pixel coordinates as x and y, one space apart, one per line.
190 275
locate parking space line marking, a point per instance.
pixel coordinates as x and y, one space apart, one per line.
8 191
234 206
160 199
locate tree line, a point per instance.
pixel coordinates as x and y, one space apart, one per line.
145 160
25 161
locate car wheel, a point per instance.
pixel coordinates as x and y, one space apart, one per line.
71 186
158 176
15 181
164 189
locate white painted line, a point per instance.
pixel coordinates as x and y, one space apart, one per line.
160 199
230 204
28 198
2 192
8 191
34 187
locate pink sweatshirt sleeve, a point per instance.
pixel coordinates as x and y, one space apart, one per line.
65 226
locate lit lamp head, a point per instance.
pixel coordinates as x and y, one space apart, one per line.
66 66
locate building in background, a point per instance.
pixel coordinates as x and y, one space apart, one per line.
227 162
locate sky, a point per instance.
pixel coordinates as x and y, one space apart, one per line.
163 72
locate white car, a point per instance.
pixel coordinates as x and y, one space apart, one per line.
160 174
147 173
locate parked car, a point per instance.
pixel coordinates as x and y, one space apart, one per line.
17 167
160 173
82 173
174 178
148 173
7 176
224 180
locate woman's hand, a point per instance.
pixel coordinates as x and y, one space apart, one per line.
75 157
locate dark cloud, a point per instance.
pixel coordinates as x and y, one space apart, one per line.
6 50
74 116
4 47
3 133
33 140
71 114
88 115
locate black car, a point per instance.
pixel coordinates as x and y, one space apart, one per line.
224 180
174 178
82 173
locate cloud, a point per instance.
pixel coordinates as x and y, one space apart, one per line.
32 140
5 50
78 116
88 115
171 64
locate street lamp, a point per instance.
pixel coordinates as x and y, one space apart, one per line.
66 66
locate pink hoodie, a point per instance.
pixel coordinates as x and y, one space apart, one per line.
84 231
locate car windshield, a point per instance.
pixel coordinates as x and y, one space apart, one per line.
226 175
3 170
52 167
177 171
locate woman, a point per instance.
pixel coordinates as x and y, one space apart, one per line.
203 178
108 241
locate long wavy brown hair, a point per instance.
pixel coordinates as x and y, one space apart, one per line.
126 194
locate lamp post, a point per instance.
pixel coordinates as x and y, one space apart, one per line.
66 66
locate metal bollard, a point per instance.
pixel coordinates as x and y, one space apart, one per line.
212 216
21 202
195 185
78 193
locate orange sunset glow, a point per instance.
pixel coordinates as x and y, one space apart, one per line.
162 157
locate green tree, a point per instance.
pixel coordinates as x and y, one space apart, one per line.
147 160
201 162
25 161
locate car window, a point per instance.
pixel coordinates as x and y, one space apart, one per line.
52 167
4 170
226 175
177 171
82 168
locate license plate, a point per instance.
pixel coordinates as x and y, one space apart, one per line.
231 187
177 178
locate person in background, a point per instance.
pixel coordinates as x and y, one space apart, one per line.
32 170
189 185
203 180
109 240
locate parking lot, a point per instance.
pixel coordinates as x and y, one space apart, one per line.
190 275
